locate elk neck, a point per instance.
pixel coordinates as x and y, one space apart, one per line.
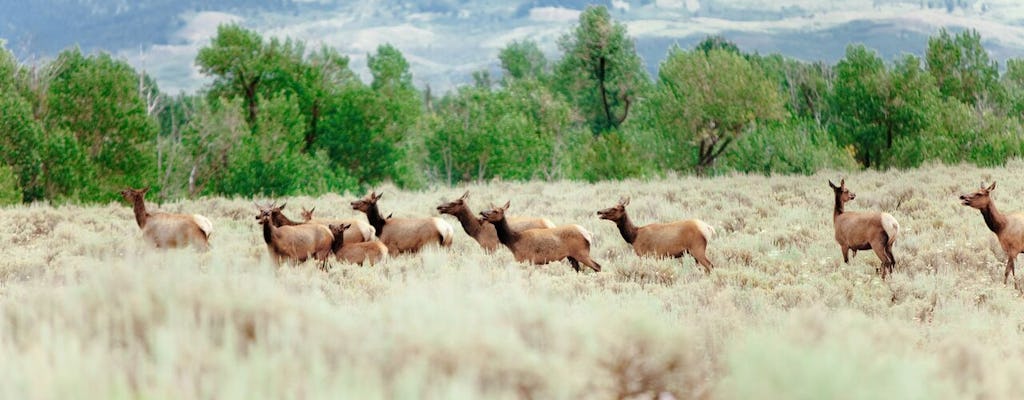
279 219
268 230
993 218
140 212
505 234
626 228
375 219
839 208
469 223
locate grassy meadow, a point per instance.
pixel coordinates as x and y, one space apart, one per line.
88 311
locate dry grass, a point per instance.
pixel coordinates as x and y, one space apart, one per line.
87 311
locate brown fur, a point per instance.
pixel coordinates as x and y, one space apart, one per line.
863 230
294 242
164 230
356 253
482 232
543 245
1009 229
361 231
672 239
404 235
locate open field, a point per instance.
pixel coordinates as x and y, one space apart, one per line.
86 311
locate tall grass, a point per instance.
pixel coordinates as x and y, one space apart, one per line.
87 311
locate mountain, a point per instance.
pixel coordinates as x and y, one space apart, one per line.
446 40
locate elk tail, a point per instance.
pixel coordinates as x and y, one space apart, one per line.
892 228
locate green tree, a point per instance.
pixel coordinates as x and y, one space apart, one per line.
600 71
706 100
522 59
1013 84
318 79
96 101
962 68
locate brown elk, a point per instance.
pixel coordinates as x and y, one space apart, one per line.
672 239
543 245
403 235
361 231
294 242
165 230
484 233
1009 228
863 230
356 253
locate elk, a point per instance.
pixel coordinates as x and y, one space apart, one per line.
294 242
404 235
484 233
165 230
671 239
1009 229
543 245
863 230
355 253
360 232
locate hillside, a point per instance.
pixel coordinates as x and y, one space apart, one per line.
87 311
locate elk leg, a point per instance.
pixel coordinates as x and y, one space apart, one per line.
892 258
1009 270
702 258
879 249
586 260
846 253
575 264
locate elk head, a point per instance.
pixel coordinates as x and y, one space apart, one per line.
367 202
979 199
841 191
130 195
615 213
307 214
495 214
455 206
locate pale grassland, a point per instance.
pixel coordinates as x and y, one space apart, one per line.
86 311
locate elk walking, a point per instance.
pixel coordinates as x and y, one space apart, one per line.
484 233
294 242
1009 229
165 230
402 235
543 245
863 230
671 239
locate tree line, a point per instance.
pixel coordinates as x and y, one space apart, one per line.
279 118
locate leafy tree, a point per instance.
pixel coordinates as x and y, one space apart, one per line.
962 68
600 72
10 191
523 60
321 77
708 100
717 42
793 147
871 108
96 101
1013 84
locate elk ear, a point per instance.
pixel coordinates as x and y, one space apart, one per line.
507 204
464 196
842 182
993 187
311 210
624 201
832 185
144 190
345 226
281 207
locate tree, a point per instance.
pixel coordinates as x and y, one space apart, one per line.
96 101
320 78
961 67
708 99
523 60
600 72
871 108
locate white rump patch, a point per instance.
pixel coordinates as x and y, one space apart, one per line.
707 230
204 224
891 226
446 230
586 235
367 230
547 223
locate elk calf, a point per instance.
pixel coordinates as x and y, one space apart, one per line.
863 230
356 253
483 233
361 231
294 242
672 239
402 235
165 230
1009 229
543 245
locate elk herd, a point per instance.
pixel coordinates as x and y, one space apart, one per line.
531 239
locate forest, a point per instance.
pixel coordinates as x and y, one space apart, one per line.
281 118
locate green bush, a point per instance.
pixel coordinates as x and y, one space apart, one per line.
10 191
799 147
610 156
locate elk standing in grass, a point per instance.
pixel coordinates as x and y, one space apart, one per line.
356 253
294 242
169 230
672 239
1009 229
484 233
543 245
863 230
403 235
361 231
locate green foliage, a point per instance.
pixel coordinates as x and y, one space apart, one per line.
66 171
523 60
607 157
96 100
20 135
356 137
795 147
600 72
707 100
961 67
10 190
